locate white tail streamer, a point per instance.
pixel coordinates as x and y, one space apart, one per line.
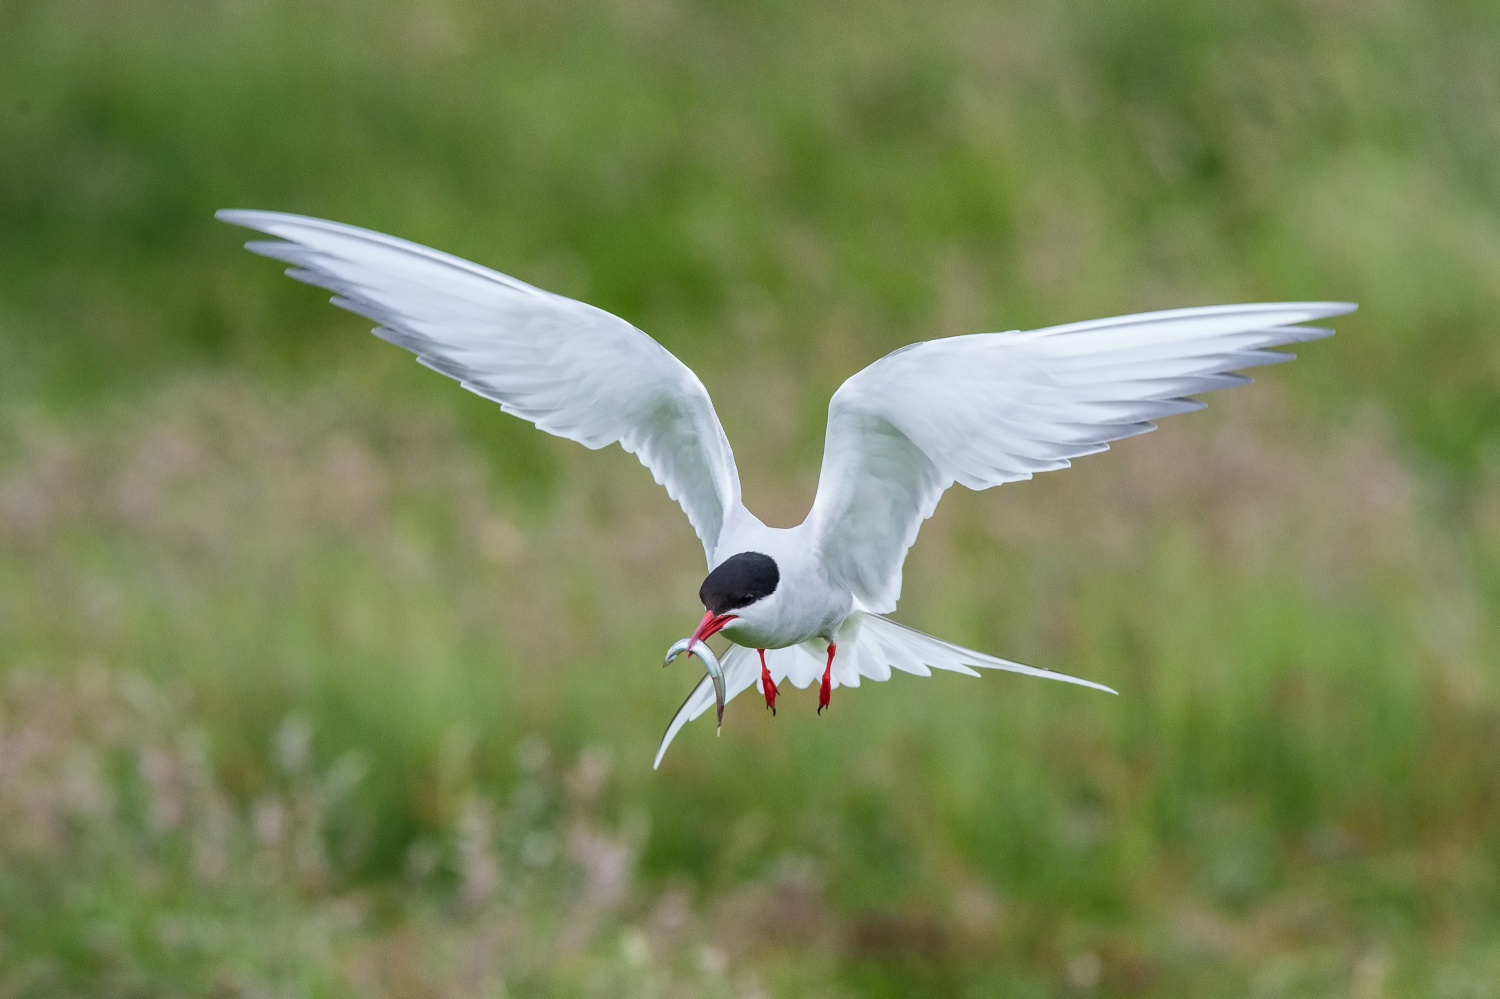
869 646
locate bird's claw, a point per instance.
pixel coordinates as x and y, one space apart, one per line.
768 685
825 689
710 663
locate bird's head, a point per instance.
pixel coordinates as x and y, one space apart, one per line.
736 591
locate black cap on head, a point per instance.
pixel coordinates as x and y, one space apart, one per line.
739 581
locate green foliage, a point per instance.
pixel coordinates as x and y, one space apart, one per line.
323 678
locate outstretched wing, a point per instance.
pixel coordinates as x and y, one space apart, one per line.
997 407
571 369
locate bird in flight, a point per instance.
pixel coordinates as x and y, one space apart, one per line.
803 604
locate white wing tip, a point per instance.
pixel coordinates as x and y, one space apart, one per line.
1285 313
251 218
271 222
1322 310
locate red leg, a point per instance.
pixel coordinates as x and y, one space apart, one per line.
767 685
825 692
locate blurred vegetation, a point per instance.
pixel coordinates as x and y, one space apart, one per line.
321 677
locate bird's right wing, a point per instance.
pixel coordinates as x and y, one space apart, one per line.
997 407
573 370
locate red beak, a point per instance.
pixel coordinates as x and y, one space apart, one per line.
710 625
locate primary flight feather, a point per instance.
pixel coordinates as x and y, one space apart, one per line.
806 603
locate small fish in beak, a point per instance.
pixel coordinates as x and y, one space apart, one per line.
696 646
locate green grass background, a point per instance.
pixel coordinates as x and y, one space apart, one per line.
324 678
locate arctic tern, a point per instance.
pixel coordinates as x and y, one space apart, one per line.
806 603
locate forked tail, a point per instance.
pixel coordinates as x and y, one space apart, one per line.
869 646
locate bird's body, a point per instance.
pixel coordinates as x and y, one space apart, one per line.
806 603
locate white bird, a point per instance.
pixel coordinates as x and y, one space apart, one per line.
806 603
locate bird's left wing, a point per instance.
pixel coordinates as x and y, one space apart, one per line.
573 370
997 407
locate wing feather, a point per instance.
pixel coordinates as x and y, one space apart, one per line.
990 408
573 370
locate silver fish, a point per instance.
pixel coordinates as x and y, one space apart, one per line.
710 663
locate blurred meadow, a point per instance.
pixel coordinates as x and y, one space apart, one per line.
321 677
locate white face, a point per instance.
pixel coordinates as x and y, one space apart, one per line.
758 624
743 587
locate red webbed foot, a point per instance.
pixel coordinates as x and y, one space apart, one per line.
767 685
825 690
